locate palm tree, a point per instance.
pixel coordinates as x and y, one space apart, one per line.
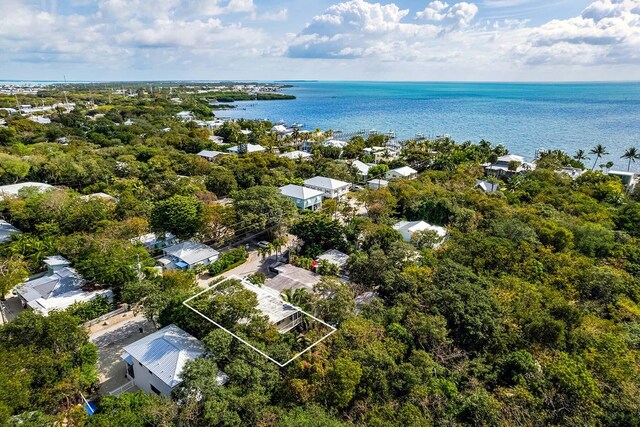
599 151
581 155
632 155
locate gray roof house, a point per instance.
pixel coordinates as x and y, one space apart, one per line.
407 228
188 254
155 362
6 231
59 288
12 190
486 186
403 172
332 188
209 154
303 197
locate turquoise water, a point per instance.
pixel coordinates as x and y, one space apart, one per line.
523 117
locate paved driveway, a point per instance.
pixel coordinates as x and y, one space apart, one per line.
110 342
254 264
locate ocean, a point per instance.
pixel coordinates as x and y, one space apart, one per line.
522 116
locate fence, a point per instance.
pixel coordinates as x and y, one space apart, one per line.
123 309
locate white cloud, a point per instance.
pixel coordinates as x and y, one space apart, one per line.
458 16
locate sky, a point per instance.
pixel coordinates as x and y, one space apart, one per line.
481 40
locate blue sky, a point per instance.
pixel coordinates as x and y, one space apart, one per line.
482 40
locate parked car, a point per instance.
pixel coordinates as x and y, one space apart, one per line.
263 244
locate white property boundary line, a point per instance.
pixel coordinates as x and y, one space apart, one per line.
282 365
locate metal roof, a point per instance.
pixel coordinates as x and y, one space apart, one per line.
209 154
269 302
362 167
165 352
61 282
191 252
334 256
14 189
6 230
299 192
296 155
325 183
414 226
404 171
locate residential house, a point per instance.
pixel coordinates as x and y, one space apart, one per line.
187 255
573 173
40 119
303 197
404 172
336 258
279 129
59 288
627 178
295 155
408 228
376 184
153 242
13 190
362 168
6 231
508 165
332 188
186 116
486 186
101 196
292 277
155 363
250 148
216 139
282 315
209 154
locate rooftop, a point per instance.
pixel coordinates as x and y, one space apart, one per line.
209 154
165 353
6 230
415 226
292 277
326 183
14 189
269 302
251 148
404 171
191 252
299 192
362 167
295 155
334 256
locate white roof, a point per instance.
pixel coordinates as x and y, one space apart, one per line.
66 300
325 183
103 196
165 353
269 302
296 155
13 189
362 167
251 148
279 128
379 182
404 171
151 239
487 186
209 154
40 119
335 143
299 192
191 252
334 256
414 226
56 260
6 230
621 173
511 158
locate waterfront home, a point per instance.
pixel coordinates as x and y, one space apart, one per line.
303 197
6 231
209 154
627 178
41 120
332 188
295 155
381 153
155 363
408 228
279 129
187 255
248 148
403 172
573 173
152 242
362 168
185 116
216 139
507 166
13 190
376 184
486 186
59 288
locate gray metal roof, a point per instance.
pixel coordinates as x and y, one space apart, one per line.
6 230
61 282
334 256
165 352
14 189
191 252
269 302
325 183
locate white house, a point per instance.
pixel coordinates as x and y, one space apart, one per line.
251 148
486 186
6 231
627 178
376 184
279 128
101 196
363 169
403 172
186 255
58 289
155 362
185 116
152 242
332 188
40 119
281 314
335 257
303 197
209 154
501 166
295 155
12 190
407 228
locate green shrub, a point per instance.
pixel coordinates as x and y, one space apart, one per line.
228 260
90 310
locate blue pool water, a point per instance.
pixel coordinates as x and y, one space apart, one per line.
522 116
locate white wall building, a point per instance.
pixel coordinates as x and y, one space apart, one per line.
408 228
332 188
404 172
